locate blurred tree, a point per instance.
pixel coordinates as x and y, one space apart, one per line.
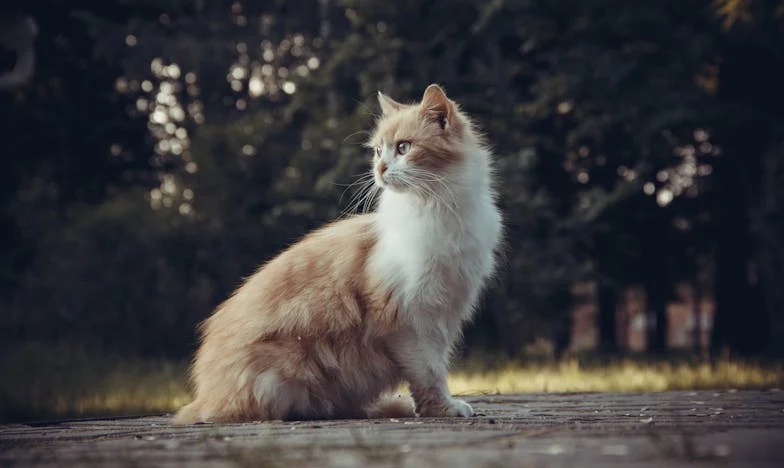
67 139
606 96
747 202
193 140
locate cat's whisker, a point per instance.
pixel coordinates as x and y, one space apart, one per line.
359 182
451 207
449 204
364 197
448 184
431 177
419 171
448 191
351 135
368 192
358 178
370 198
423 176
428 176
358 197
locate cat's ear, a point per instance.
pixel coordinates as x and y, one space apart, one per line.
438 107
388 105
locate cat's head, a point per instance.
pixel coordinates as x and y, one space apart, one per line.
419 146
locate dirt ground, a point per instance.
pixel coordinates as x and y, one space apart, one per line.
673 429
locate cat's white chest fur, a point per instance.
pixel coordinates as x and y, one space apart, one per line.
437 259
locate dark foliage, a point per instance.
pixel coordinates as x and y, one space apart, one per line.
164 149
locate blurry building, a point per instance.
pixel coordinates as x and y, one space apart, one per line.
690 319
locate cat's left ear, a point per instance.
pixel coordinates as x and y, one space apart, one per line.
437 106
388 105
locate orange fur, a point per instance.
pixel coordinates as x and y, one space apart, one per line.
307 314
345 315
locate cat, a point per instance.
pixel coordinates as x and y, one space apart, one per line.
329 327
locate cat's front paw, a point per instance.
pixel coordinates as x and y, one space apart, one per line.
451 408
459 409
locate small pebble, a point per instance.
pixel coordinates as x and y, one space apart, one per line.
170 444
555 449
616 450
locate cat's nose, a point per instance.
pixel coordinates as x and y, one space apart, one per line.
382 168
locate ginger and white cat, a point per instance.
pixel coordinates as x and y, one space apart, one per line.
331 325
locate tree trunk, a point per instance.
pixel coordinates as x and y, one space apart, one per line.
657 247
696 310
740 321
607 299
562 335
657 292
658 327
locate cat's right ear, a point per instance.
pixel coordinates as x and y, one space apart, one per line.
438 107
388 105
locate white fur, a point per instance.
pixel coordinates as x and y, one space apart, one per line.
436 253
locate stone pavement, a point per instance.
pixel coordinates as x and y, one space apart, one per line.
673 429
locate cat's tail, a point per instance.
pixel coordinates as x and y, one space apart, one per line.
392 406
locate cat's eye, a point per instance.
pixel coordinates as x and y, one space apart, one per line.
403 147
378 151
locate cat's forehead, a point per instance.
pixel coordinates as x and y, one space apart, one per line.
404 124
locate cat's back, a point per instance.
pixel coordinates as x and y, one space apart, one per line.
338 248
314 286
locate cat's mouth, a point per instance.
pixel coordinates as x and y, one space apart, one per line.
389 181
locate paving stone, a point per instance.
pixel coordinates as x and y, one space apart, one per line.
672 429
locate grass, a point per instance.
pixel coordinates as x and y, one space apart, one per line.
620 376
635 373
45 381
57 381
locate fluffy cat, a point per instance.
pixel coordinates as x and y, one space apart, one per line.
331 325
